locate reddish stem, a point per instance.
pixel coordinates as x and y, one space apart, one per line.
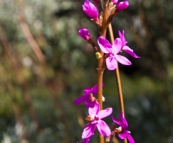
118 79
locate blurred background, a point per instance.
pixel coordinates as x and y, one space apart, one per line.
45 65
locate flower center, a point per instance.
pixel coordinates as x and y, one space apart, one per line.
96 118
112 54
90 118
119 129
91 97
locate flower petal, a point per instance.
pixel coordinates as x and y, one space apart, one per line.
122 37
104 45
87 102
130 138
130 52
122 135
88 130
87 90
80 99
86 140
117 45
127 48
118 122
94 108
103 128
111 63
104 113
94 89
123 60
123 120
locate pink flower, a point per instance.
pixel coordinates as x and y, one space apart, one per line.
114 2
84 33
124 133
86 98
120 5
95 117
90 10
125 47
112 52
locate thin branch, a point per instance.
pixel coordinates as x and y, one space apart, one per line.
16 68
28 35
118 79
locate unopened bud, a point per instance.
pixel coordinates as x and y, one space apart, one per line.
122 5
84 33
90 9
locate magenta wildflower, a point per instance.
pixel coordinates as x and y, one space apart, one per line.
125 47
87 98
95 117
120 5
84 33
114 2
123 132
90 10
112 51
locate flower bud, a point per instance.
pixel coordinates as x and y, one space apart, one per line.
122 5
90 10
114 2
84 33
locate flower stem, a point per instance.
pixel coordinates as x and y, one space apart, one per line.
100 78
118 79
102 30
100 81
100 90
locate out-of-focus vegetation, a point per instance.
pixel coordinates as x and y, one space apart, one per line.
44 66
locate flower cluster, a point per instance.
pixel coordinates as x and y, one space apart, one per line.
111 55
112 51
95 116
